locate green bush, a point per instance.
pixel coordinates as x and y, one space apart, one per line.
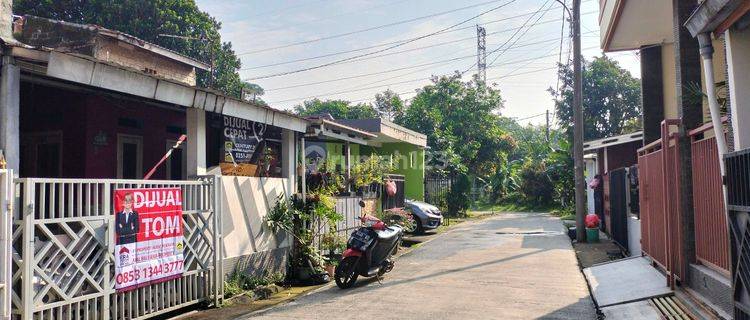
239 283
458 199
536 187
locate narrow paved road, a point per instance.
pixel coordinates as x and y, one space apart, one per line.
513 266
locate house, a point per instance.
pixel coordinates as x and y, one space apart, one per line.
403 148
729 20
612 160
86 111
684 228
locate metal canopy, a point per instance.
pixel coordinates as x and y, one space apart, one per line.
593 145
326 130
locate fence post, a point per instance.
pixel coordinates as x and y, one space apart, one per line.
218 243
27 284
109 240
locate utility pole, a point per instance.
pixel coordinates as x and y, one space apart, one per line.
580 191
481 54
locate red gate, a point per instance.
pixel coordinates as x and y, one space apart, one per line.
711 234
659 198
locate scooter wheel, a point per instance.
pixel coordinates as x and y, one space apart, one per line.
346 272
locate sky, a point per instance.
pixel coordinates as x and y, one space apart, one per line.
278 40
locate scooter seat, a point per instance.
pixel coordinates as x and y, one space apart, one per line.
389 233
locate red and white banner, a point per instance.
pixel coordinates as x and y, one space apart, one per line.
149 240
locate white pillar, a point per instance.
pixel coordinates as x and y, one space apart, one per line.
738 62
288 163
10 91
196 142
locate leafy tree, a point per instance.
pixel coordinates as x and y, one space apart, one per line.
147 19
389 105
251 92
461 120
531 140
338 109
611 99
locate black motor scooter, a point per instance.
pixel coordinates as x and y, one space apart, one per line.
368 252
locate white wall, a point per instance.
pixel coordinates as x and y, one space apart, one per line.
738 61
244 204
591 169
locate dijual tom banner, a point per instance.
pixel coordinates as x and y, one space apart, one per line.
149 240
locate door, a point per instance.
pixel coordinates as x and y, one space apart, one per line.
176 165
41 155
129 157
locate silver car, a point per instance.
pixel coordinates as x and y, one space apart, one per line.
426 216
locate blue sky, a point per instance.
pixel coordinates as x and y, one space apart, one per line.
523 72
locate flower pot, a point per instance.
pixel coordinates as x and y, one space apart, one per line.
331 269
592 235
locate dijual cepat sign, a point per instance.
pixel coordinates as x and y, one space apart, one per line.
148 236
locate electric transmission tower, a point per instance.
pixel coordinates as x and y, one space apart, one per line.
481 54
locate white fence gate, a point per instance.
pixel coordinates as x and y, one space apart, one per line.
63 245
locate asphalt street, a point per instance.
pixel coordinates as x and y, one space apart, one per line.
512 266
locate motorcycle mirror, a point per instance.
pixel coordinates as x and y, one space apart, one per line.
362 203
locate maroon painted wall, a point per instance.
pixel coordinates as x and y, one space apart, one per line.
619 156
83 116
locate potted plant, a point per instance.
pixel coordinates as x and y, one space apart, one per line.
367 175
335 245
592 228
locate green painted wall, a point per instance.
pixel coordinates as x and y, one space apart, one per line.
408 160
335 152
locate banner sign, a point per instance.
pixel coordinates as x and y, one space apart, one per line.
148 237
241 138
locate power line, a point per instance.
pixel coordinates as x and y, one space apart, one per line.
370 28
394 83
381 50
511 37
403 40
524 33
391 53
330 17
424 69
396 69
422 79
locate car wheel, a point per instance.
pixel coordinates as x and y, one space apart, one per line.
418 229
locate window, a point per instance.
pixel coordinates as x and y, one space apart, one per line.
129 157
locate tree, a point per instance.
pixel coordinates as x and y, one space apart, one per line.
338 109
251 92
389 105
147 19
461 120
611 99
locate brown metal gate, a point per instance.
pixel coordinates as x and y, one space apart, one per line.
711 234
659 198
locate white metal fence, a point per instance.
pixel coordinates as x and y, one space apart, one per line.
6 222
63 244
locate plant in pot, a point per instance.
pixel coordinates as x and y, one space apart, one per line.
305 221
366 175
334 244
398 216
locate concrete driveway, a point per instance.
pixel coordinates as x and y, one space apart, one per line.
513 266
